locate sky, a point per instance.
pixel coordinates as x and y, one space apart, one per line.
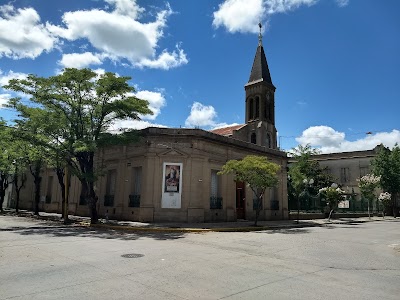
335 63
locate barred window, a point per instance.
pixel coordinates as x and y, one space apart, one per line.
344 175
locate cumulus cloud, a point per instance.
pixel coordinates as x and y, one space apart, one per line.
239 15
118 34
282 6
322 136
329 140
166 60
120 126
79 60
244 15
21 33
4 99
4 79
203 116
156 102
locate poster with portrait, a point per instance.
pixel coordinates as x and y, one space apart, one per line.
171 185
172 177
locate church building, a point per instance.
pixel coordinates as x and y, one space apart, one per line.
171 173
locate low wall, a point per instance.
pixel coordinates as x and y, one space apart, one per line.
309 216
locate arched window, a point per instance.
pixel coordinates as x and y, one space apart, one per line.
268 141
257 107
266 107
251 109
271 111
253 138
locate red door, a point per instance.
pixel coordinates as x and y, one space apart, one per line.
240 200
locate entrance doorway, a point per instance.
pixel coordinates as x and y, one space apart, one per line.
240 200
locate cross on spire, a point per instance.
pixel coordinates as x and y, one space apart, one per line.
260 35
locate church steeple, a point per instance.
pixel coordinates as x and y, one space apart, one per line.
260 70
260 101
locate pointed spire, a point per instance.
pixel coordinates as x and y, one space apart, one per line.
260 70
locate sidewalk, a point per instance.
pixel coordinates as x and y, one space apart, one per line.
240 225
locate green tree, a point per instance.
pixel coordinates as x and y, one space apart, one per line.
18 169
332 195
305 167
85 105
301 171
387 165
367 185
258 172
386 200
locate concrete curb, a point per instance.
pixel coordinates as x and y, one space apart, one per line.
195 230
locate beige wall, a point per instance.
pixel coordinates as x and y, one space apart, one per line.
357 163
198 155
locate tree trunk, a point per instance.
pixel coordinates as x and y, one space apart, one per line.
86 163
37 179
258 208
91 199
394 205
17 200
369 214
18 186
2 195
60 177
330 214
3 187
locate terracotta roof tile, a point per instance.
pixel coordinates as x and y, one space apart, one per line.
227 131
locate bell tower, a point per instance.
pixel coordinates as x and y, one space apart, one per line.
260 101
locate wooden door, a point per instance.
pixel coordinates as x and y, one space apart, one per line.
240 200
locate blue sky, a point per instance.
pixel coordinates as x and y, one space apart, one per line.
335 63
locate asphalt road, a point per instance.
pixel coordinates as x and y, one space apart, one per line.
39 260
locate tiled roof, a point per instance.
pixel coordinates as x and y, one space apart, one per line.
227 131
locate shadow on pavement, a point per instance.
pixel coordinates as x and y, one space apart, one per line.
52 230
287 231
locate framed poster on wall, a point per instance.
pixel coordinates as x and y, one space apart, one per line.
172 185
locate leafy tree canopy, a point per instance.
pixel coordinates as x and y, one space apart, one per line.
257 171
75 110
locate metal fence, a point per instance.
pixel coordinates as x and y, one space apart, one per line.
351 204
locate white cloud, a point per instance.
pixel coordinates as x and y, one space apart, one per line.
79 60
329 140
322 136
282 6
239 15
119 126
126 7
156 102
5 77
244 15
4 99
342 3
21 33
166 60
118 34
201 115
